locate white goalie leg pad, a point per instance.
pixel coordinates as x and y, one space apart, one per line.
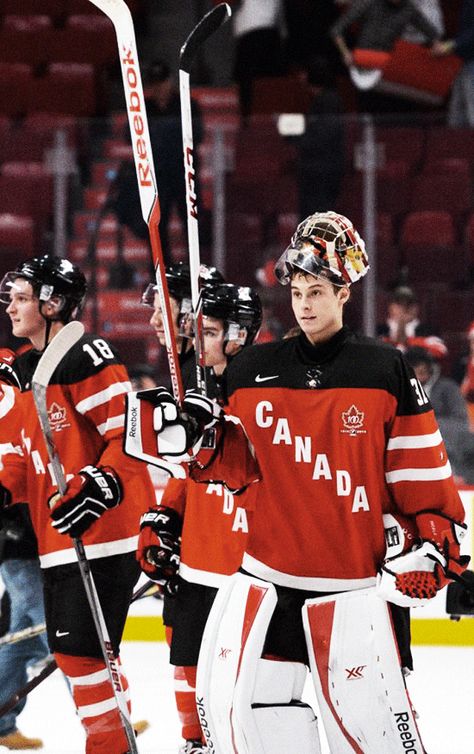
283 723
236 627
232 677
357 676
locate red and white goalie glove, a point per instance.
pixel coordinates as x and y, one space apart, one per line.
178 431
413 578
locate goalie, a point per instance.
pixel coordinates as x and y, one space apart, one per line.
339 433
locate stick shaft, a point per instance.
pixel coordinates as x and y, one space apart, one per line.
120 15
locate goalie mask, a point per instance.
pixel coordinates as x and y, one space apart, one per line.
239 308
324 244
54 280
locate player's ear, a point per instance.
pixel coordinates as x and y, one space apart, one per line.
344 294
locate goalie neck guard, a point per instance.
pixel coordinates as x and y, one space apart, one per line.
324 244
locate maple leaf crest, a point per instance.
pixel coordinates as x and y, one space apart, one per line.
353 418
56 414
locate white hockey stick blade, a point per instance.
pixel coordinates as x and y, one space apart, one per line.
119 14
55 352
202 31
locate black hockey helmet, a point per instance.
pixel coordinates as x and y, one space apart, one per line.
178 277
238 306
51 277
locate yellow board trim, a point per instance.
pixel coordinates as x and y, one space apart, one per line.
442 631
144 628
437 631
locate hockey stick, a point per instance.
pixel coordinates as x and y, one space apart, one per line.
147 590
201 32
22 634
25 690
53 355
120 15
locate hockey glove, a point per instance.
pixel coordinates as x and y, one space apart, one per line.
410 580
89 494
159 546
180 431
7 373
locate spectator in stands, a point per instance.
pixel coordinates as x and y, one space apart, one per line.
403 322
449 407
432 10
164 115
320 166
308 25
382 22
461 105
467 386
258 28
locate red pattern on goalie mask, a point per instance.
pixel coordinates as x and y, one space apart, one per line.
327 244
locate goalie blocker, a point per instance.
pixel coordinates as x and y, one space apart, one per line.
252 705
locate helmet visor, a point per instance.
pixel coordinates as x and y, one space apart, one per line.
148 295
8 286
306 260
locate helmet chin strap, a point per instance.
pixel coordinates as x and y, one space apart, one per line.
48 322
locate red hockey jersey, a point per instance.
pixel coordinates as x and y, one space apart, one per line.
214 532
342 433
86 411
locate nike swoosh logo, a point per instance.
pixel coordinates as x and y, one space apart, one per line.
264 379
62 633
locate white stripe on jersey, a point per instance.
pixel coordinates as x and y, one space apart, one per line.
113 422
310 583
99 550
7 400
206 578
97 399
419 475
403 442
91 679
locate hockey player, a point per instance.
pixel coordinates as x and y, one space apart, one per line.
179 287
106 490
21 574
339 433
201 529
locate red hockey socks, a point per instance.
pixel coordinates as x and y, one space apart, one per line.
95 701
185 693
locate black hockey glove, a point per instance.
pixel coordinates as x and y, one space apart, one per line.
7 373
180 430
89 494
159 546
